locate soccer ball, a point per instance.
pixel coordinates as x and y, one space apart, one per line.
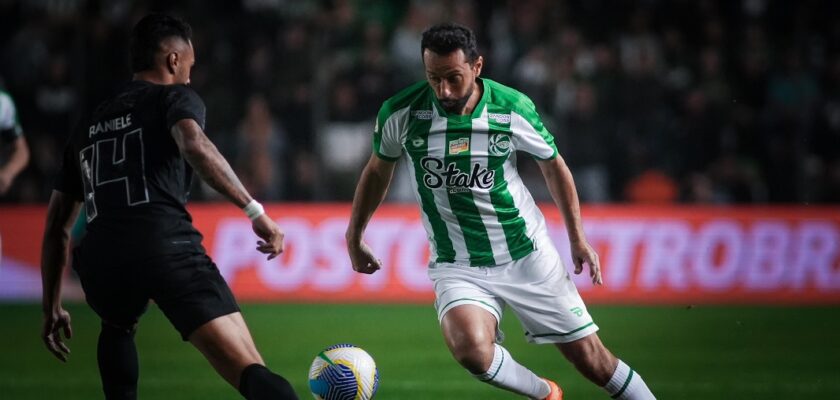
343 372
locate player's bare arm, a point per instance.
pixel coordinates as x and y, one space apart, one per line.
207 162
212 167
560 183
373 185
18 159
61 213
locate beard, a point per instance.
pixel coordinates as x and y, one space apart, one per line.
456 106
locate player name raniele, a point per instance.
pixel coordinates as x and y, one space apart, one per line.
114 124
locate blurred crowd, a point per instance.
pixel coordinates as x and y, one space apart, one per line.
693 101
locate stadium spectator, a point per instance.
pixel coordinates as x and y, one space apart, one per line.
587 133
261 150
764 69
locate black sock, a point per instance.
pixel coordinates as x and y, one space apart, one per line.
259 383
118 365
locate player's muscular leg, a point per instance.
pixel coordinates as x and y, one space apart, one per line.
591 358
227 345
470 333
117 359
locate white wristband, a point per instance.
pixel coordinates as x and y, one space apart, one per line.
253 210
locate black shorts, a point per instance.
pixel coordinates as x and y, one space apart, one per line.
188 288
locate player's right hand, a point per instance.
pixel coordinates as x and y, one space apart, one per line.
55 322
363 259
271 235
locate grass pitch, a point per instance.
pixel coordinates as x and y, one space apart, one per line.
721 352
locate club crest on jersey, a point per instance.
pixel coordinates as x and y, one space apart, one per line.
422 114
499 145
455 180
459 146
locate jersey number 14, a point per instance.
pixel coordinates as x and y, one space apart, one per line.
116 160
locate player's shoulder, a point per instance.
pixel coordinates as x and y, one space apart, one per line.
180 88
507 97
411 96
180 91
179 99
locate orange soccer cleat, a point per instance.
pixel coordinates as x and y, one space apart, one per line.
556 393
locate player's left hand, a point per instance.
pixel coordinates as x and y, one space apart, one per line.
582 253
54 323
272 242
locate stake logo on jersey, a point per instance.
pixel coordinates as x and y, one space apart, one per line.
476 210
453 178
499 145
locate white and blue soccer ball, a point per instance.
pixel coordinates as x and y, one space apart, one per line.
343 372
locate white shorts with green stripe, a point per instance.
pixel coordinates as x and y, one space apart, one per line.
537 288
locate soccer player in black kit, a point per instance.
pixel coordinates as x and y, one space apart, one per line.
130 163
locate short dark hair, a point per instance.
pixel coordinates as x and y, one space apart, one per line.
148 34
448 37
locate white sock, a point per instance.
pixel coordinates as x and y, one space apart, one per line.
626 384
506 373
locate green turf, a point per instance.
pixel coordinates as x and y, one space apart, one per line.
698 353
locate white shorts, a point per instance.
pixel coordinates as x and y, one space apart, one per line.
537 288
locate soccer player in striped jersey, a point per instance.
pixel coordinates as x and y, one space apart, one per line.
13 144
11 137
489 245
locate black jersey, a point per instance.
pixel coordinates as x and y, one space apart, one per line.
124 164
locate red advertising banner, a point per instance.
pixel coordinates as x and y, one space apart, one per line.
671 255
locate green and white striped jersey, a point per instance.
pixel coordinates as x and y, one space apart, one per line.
9 125
475 208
